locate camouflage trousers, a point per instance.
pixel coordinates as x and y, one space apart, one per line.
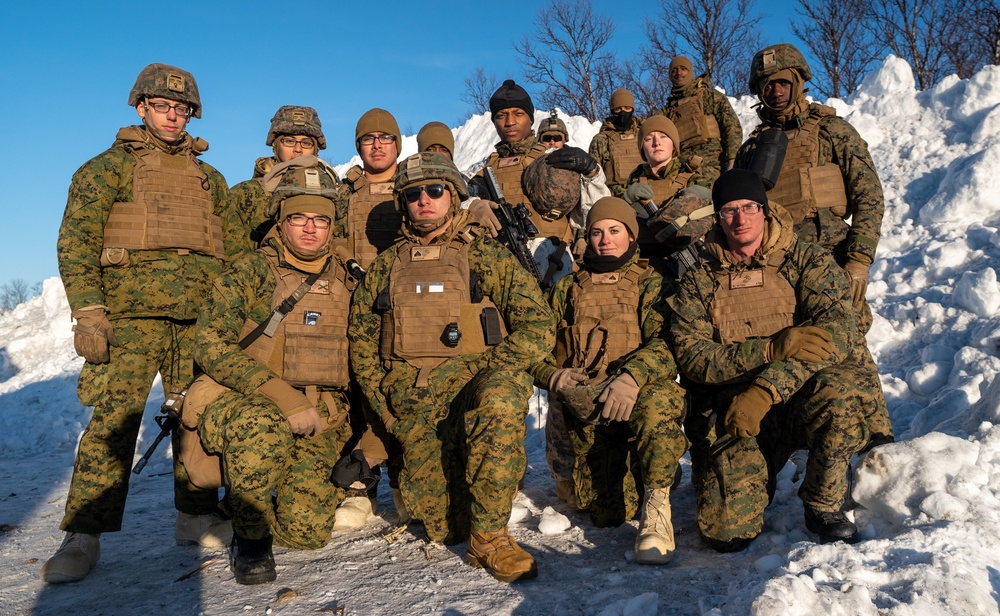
614 462
558 450
712 157
735 478
261 457
118 391
463 445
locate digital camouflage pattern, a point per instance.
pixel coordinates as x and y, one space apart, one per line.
296 120
463 435
612 462
818 405
600 149
260 454
152 301
163 80
774 58
715 152
551 190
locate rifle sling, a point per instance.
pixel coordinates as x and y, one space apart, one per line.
555 264
269 325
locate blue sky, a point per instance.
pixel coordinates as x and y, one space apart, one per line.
69 67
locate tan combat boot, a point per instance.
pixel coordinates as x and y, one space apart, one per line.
402 513
655 543
500 554
354 511
73 560
208 531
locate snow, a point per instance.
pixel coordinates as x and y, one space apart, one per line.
928 505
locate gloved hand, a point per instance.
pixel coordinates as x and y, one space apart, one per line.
482 211
573 159
288 399
579 247
619 398
306 423
747 410
805 343
639 191
566 377
92 334
857 273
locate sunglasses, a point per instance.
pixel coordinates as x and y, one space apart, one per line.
434 191
548 138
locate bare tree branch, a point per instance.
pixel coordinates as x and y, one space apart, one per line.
844 54
479 87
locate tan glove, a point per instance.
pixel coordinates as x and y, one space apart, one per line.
579 247
857 273
805 343
747 410
482 211
566 377
619 398
92 334
288 399
306 423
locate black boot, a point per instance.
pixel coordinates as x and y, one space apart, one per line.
251 560
831 526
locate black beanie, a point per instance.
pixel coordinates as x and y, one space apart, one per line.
511 95
737 184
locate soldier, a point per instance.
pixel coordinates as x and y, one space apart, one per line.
707 125
762 329
295 132
442 331
663 188
560 237
552 132
827 177
436 137
613 371
134 284
278 409
615 147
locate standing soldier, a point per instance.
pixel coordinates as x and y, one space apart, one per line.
134 282
827 177
706 123
278 405
442 330
552 132
615 147
295 132
763 329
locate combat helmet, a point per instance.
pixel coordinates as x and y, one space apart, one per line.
581 400
553 192
553 124
296 120
770 60
309 188
163 80
427 168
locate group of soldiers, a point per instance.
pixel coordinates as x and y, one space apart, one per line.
684 291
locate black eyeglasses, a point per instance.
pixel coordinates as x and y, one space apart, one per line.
300 220
747 210
291 142
434 191
180 109
548 138
369 139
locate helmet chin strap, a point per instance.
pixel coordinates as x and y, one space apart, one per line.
156 133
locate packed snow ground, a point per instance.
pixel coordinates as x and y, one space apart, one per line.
930 504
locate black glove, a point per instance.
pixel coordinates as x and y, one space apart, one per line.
573 159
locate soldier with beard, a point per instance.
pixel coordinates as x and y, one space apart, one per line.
615 146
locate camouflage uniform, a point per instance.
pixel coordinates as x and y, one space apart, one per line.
463 433
152 297
818 405
612 462
715 151
260 454
616 168
838 144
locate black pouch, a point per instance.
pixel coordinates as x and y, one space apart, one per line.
353 468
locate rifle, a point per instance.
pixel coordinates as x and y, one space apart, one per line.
517 227
170 419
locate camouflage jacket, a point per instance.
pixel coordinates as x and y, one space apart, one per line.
249 200
154 283
840 143
653 360
527 317
714 103
600 148
822 297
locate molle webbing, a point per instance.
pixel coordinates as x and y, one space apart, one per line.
372 220
694 126
171 208
663 190
754 303
608 303
803 185
624 156
307 349
509 171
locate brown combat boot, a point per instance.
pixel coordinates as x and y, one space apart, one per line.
655 543
500 554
